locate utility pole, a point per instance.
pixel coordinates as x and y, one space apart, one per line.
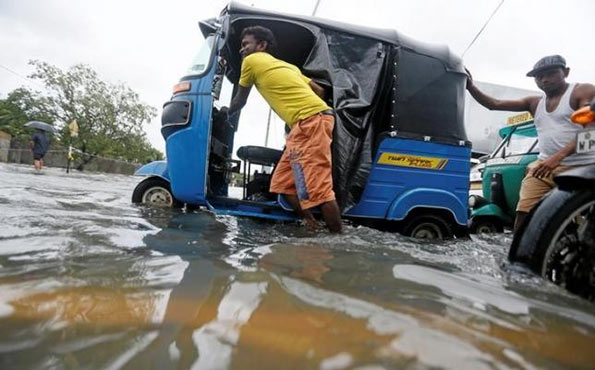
266 138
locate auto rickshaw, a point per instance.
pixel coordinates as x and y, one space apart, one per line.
502 172
400 153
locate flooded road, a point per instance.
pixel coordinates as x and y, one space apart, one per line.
88 280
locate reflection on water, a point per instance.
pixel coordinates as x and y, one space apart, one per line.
89 280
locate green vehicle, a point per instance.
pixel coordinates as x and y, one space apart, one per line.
501 175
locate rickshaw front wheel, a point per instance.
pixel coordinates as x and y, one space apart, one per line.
486 226
155 191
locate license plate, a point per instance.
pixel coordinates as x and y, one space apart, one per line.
585 141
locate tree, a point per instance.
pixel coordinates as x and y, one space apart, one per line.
110 116
20 106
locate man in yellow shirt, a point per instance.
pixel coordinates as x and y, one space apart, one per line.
304 172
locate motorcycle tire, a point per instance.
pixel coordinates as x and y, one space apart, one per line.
557 242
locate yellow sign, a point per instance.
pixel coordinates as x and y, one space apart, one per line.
519 118
73 127
406 160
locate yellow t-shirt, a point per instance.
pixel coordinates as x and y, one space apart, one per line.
283 86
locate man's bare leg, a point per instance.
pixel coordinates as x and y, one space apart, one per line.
37 164
518 221
303 213
332 215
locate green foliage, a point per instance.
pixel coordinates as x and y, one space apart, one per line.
110 116
20 106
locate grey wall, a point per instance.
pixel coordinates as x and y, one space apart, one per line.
19 152
4 146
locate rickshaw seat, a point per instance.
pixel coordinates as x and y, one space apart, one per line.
259 155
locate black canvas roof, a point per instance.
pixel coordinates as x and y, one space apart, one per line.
390 36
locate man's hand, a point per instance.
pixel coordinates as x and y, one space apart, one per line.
546 167
224 113
469 79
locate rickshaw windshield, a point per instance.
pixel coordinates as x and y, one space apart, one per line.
200 62
517 144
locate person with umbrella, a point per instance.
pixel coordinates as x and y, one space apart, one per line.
39 143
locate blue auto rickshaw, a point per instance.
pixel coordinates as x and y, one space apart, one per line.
401 157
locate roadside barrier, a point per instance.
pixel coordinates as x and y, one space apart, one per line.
74 158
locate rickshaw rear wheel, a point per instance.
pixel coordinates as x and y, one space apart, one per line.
427 226
155 191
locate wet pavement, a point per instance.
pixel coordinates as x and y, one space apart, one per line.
89 280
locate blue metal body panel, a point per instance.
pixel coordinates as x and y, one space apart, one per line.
274 211
157 168
187 148
392 191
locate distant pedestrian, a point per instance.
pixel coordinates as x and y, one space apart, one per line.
39 144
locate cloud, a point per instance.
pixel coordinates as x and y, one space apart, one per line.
147 45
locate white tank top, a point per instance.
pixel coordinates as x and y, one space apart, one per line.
555 130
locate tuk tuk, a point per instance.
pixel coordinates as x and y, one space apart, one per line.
400 153
501 175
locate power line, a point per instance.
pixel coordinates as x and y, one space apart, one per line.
21 76
315 7
483 27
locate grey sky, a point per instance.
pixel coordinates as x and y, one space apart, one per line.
149 44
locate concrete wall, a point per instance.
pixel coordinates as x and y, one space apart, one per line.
19 152
481 124
4 146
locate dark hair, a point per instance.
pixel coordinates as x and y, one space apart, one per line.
261 34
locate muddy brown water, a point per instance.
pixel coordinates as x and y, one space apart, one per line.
88 280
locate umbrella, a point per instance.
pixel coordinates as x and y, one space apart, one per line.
41 125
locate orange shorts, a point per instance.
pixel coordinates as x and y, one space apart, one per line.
533 188
305 167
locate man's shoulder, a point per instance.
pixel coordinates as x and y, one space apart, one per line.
259 57
583 88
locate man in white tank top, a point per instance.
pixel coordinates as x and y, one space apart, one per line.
555 132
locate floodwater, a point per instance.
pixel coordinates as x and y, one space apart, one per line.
88 280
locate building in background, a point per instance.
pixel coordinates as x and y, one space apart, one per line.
481 124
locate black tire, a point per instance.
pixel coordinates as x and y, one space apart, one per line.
427 226
558 243
155 191
486 225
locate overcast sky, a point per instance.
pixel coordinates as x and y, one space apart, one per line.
148 44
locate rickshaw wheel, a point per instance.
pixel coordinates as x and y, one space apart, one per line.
427 226
155 191
486 226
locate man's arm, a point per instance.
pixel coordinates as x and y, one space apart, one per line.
585 94
239 100
546 167
528 103
318 90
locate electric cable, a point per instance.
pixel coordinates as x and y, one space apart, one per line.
21 76
482 28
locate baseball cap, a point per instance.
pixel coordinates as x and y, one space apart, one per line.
549 62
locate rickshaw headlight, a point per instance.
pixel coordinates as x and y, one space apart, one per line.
182 87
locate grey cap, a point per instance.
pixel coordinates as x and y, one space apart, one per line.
549 62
